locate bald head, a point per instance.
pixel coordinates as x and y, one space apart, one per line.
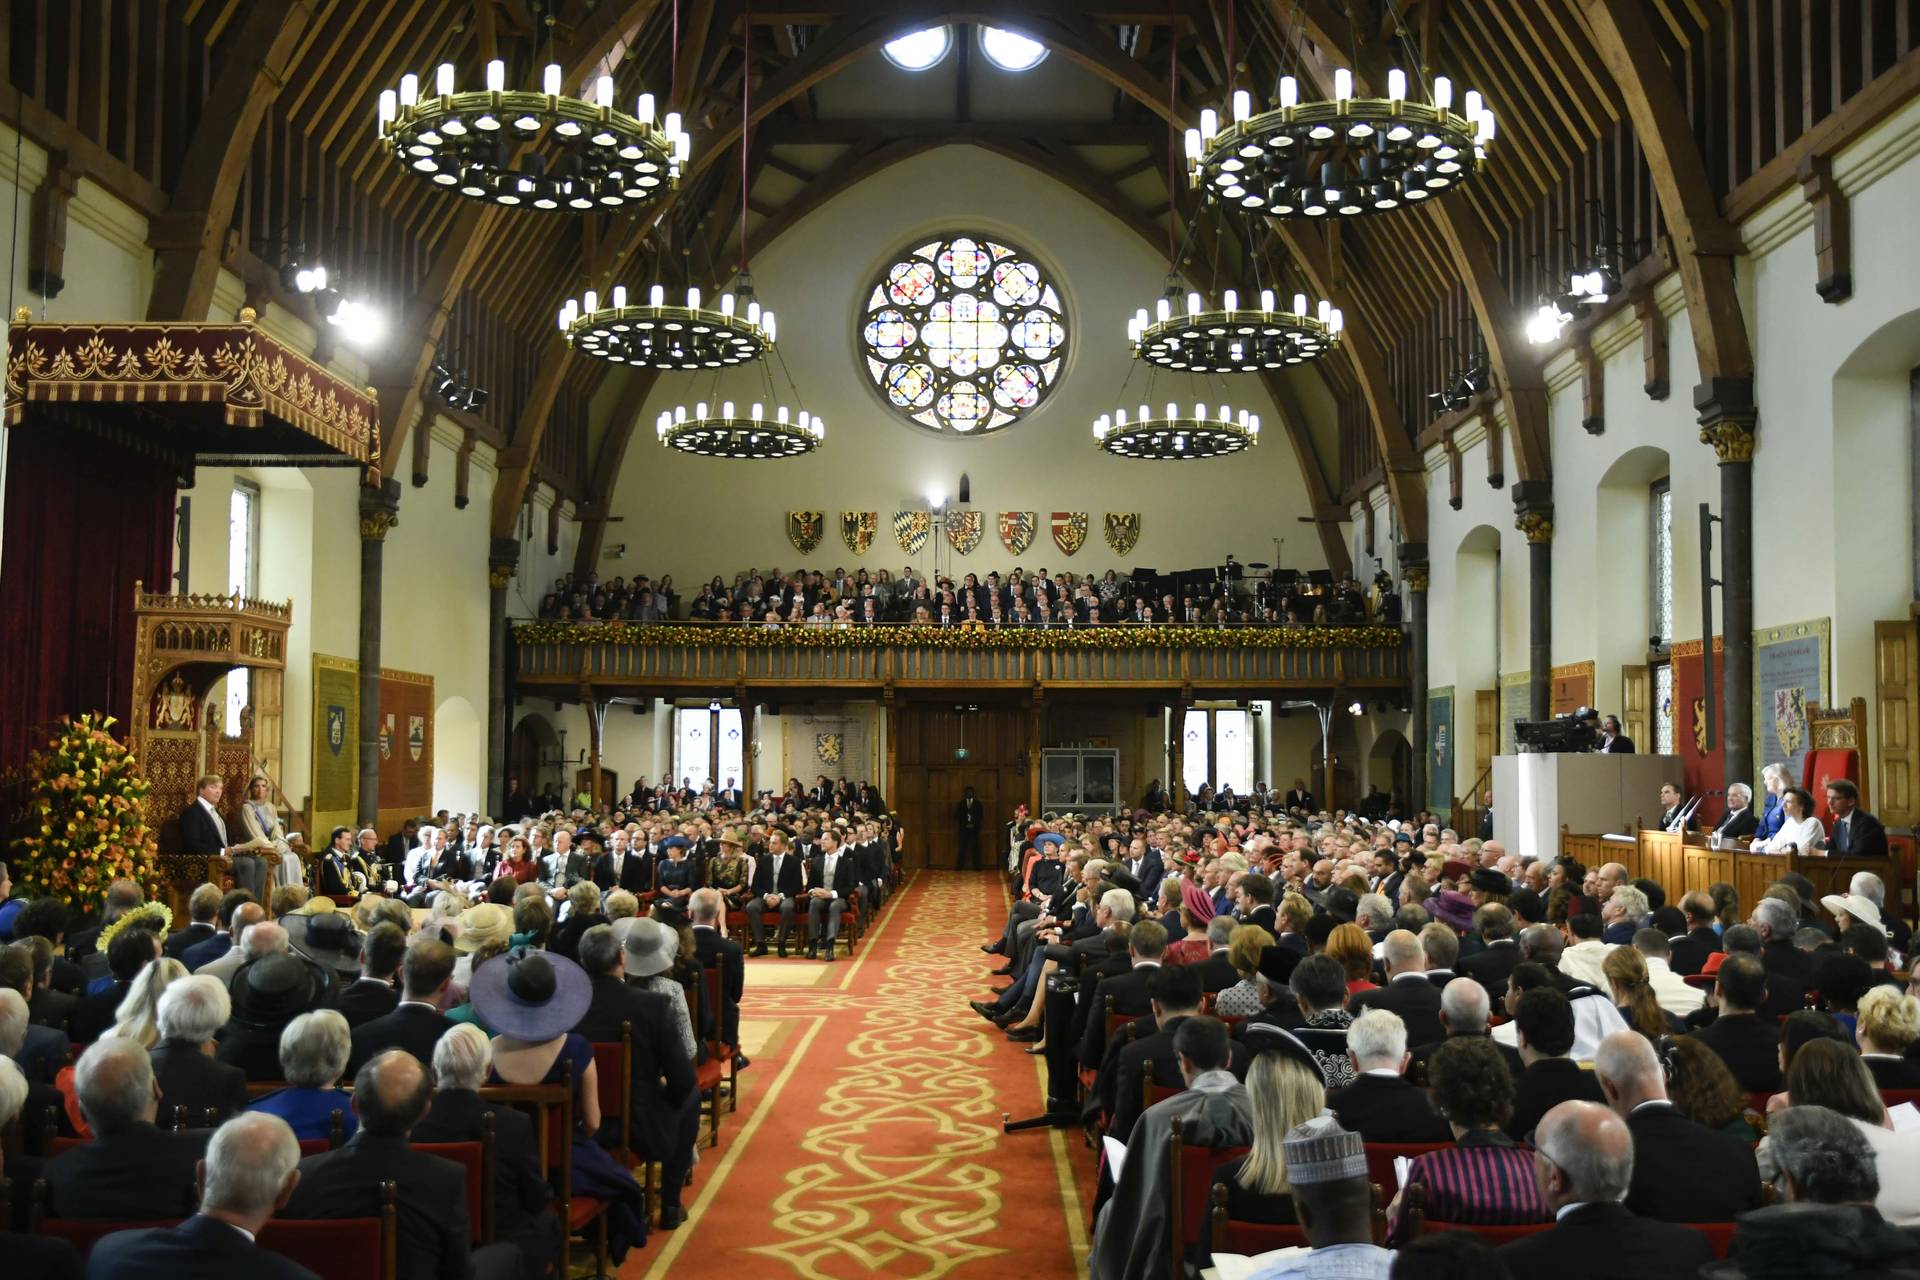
1404 953
1628 1071
391 1094
1464 1007
251 1167
1590 1153
264 939
245 916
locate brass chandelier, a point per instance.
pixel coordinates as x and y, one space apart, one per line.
1341 156
1175 436
1192 337
545 150
755 434
668 336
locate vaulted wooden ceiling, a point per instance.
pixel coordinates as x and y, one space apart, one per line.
149 86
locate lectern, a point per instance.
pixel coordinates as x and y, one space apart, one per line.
1536 795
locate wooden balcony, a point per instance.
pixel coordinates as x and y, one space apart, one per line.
619 659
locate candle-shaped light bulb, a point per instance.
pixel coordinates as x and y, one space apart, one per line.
1193 144
1342 84
443 79
603 92
1336 320
693 297
1299 304
682 148
389 107
726 304
679 413
1193 304
644 113
1397 85
409 89
1242 105
805 418
766 324
591 303
1144 415
1472 104
1163 309
496 76
1121 417
1266 300
1486 128
1326 309
1289 91
780 415
700 410
1443 93
726 408
1226 414
753 311
550 80
758 411
671 124
1230 300
1209 123
657 296
619 296
1173 411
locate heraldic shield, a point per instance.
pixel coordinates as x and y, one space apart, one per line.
804 529
964 529
858 528
1069 530
1016 530
910 529
1123 530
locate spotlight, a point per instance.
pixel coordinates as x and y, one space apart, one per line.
456 390
1357 708
358 322
300 276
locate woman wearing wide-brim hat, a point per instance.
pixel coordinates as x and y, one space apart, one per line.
533 1001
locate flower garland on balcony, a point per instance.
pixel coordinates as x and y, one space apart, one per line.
800 636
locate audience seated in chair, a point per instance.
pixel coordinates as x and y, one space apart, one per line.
132 1170
193 1010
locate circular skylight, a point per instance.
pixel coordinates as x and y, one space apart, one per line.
1011 51
920 50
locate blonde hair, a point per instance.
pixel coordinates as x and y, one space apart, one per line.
138 1017
1245 945
1296 911
1285 1093
1888 1018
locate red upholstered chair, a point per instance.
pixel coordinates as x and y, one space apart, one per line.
613 1065
551 1108
1894 1097
1718 1234
710 1076
1420 1224
1151 1093
1190 1173
1380 1158
476 1158
1837 749
713 993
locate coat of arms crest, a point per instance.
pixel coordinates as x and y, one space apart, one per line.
828 747
416 737
858 528
336 727
1123 530
1790 719
804 529
910 529
964 529
1016 530
1069 530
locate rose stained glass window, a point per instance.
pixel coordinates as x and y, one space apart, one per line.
963 334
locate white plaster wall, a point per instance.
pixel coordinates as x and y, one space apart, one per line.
695 517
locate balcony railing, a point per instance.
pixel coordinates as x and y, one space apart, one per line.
718 656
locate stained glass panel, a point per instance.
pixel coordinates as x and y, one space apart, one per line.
1663 708
692 745
1232 750
964 334
1660 537
1193 751
733 747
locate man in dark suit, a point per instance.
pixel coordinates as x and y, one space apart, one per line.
1586 1159
1789 969
131 1170
373 995
1256 902
1747 1042
666 1103
390 1097
1381 1105
1298 797
1682 1170
1739 822
203 832
1612 741
522 1201
1699 940
1673 810
203 908
968 815
251 1169
1146 947
1492 965
192 1011
829 893
779 879
1856 833
227 937
729 795
1544 1021
1465 1010
1407 993
718 952
416 1023
1175 992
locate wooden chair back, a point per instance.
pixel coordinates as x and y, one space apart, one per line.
1249 1238
1190 1173
1495 1236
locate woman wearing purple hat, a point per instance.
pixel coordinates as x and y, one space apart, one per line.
533 1000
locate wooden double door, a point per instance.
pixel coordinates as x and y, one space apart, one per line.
929 780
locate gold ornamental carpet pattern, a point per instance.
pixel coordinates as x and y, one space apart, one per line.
868 1140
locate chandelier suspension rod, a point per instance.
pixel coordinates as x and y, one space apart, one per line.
746 124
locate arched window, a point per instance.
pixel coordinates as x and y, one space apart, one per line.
964 333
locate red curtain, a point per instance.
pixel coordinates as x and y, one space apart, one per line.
85 519
1704 771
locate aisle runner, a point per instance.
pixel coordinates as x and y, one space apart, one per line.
876 1149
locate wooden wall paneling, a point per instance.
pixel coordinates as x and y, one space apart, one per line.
1635 720
1897 719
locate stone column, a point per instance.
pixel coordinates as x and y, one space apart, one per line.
1533 516
1728 421
503 557
379 512
1413 579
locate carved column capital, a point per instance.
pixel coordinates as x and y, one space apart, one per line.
503 559
1729 419
1414 576
1533 510
1536 525
379 510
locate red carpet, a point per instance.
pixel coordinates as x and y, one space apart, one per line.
867 1141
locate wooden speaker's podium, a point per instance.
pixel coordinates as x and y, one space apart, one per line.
1536 796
